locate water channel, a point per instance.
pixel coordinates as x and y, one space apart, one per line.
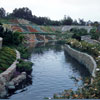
53 70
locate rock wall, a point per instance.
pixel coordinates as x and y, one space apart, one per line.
69 27
83 58
7 75
1 42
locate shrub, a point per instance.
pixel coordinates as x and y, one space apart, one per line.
24 51
83 46
78 33
7 57
24 66
88 91
10 37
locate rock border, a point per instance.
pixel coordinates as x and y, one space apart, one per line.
83 58
7 77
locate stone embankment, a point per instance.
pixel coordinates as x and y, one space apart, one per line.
69 27
7 79
82 58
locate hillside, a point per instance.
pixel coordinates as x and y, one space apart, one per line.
22 25
25 26
31 30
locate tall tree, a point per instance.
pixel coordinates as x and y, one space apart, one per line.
67 21
82 22
2 13
24 12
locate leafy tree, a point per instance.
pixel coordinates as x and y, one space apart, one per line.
2 13
75 22
78 33
67 21
10 37
24 12
82 22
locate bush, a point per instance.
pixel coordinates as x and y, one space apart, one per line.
24 66
92 49
24 51
89 91
7 57
10 37
78 33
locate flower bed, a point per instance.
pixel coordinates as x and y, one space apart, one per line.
15 21
31 29
16 28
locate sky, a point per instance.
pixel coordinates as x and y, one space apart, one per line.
56 9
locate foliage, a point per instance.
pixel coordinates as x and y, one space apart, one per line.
78 33
92 49
67 21
23 51
94 33
26 13
24 66
93 30
88 91
7 57
64 36
2 13
10 37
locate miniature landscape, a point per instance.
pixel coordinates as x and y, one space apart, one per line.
48 59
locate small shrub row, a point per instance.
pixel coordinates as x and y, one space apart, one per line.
92 49
23 51
24 66
7 57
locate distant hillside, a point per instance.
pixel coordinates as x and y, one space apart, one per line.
22 25
25 26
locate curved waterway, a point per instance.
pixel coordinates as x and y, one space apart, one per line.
53 71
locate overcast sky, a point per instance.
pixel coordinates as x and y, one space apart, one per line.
56 9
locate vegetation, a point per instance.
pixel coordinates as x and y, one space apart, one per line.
9 37
7 57
88 91
78 33
24 66
23 51
64 36
26 13
92 49
95 34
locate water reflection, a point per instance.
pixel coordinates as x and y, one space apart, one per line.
83 71
40 48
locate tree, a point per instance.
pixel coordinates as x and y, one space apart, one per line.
2 13
82 22
75 22
67 21
10 37
24 12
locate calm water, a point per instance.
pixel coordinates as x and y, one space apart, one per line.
52 73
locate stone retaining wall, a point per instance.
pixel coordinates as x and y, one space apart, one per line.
83 58
1 42
7 75
69 27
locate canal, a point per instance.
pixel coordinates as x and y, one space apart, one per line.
53 71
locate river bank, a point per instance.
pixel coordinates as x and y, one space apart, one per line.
51 71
